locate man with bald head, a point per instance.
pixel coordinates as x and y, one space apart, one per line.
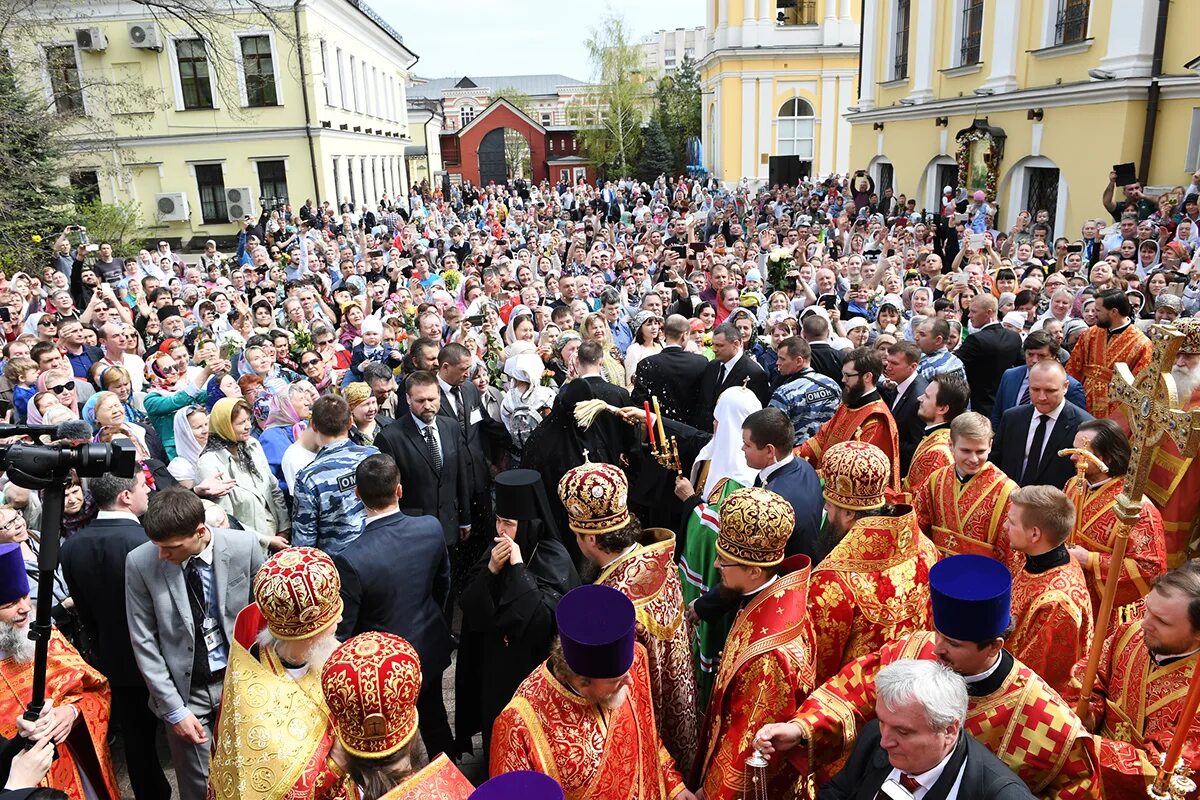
1030 435
986 353
674 376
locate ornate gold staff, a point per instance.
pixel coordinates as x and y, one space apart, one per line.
1151 401
1083 458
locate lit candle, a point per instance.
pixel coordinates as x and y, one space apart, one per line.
662 434
649 424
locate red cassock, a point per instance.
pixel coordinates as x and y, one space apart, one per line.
1145 557
966 517
69 681
1024 722
438 780
871 423
766 671
1094 356
1052 621
594 754
932 453
1137 704
872 588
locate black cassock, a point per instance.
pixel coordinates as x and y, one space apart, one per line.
508 627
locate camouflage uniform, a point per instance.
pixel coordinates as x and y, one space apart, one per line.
328 514
809 399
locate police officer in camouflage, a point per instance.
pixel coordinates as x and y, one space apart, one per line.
328 514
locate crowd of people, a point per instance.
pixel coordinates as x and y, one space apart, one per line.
676 475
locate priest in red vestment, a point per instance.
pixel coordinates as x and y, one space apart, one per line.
1051 609
766 668
641 565
1096 528
585 717
962 507
274 737
863 415
1010 710
1113 339
943 400
1174 484
371 682
77 697
873 586
1145 668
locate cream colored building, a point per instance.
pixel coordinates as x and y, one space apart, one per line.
424 155
1066 87
777 78
663 51
307 103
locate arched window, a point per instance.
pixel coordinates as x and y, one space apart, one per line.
794 133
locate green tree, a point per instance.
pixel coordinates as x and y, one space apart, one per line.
610 117
516 146
656 157
677 108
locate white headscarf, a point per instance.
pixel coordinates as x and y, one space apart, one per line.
724 450
187 449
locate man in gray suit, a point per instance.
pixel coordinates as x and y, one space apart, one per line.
183 591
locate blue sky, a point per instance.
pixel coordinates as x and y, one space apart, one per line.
520 37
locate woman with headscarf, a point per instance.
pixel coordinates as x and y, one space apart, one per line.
595 328
118 381
563 362
363 411
60 383
526 402
508 604
191 436
105 409
289 410
232 453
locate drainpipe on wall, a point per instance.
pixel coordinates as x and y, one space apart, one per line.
862 31
312 150
1152 96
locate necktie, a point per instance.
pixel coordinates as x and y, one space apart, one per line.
435 452
909 782
459 409
1024 398
758 482
196 599
1035 451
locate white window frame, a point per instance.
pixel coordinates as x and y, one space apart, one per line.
354 83
47 80
366 89
177 84
889 46
325 73
1192 156
1050 13
794 139
343 95
956 35
240 67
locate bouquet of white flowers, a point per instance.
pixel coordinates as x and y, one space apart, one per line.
779 263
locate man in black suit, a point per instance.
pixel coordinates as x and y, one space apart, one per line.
903 396
731 367
93 563
612 436
427 448
987 352
460 401
1030 436
925 751
396 579
816 330
673 376
767 438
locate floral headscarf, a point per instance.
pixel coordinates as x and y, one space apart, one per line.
221 435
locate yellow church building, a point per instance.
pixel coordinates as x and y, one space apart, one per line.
776 81
1033 101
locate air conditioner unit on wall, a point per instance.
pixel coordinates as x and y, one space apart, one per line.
144 35
92 40
172 206
239 202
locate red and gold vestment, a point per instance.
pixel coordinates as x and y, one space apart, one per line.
70 681
648 576
438 780
594 754
1137 704
966 517
765 673
1094 355
871 422
1052 621
1174 486
872 588
274 737
1024 722
932 453
1145 557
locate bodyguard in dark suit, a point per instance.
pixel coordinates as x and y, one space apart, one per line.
673 376
903 395
767 438
1030 436
731 367
93 563
433 468
461 402
986 353
824 358
1014 383
396 579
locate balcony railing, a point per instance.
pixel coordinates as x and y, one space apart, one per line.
972 32
1071 24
